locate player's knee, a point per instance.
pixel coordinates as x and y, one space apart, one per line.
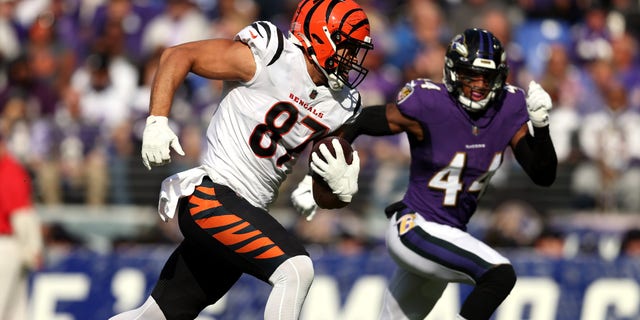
298 269
499 280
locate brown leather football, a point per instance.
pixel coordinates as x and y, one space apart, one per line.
322 193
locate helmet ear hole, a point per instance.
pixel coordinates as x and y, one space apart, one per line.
336 37
330 63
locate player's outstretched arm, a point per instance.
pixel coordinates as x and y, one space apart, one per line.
536 154
380 121
221 59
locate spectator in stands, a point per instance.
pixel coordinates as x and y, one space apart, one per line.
11 34
30 132
496 20
122 70
67 31
52 60
381 83
593 35
111 45
513 224
132 17
95 109
535 35
596 76
630 244
233 15
550 243
384 173
561 79
76 138
180 21
626 64
420 28
23 82
628 13
567 11
20 235
471 12
609 179
426 64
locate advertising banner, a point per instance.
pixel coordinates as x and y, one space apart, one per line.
87 285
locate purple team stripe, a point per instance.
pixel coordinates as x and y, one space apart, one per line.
445 253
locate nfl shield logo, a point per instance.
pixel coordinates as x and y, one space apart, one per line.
404 93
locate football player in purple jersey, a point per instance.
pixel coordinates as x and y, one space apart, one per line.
458 132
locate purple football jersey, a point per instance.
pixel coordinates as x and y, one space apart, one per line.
451 167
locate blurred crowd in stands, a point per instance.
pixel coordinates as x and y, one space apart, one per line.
75 76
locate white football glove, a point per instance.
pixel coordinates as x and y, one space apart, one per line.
302 198
341 177
538 105
156 140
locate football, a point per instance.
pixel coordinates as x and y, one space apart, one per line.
322 193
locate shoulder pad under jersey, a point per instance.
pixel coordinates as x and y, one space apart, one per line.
265 39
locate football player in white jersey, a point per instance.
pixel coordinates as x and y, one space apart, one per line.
281 92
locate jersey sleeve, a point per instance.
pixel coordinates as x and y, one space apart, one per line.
265 40
519 104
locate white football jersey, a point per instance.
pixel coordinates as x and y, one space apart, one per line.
261 126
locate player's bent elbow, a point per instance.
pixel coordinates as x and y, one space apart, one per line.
544 180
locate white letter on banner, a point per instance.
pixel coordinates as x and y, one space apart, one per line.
323 300
48 288
364 298
622 294
448 306
363 302
128 286
541 293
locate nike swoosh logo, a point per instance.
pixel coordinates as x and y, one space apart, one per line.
253 36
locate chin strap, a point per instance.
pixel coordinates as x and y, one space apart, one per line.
333 82
475 105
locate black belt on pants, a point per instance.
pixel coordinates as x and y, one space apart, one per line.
394 207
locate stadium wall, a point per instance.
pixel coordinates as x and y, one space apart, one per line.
84 284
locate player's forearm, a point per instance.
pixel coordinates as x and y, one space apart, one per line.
537 156
372 121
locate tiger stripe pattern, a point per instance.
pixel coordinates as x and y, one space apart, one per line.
229 229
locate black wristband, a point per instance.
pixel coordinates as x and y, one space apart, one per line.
541 133
372 121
